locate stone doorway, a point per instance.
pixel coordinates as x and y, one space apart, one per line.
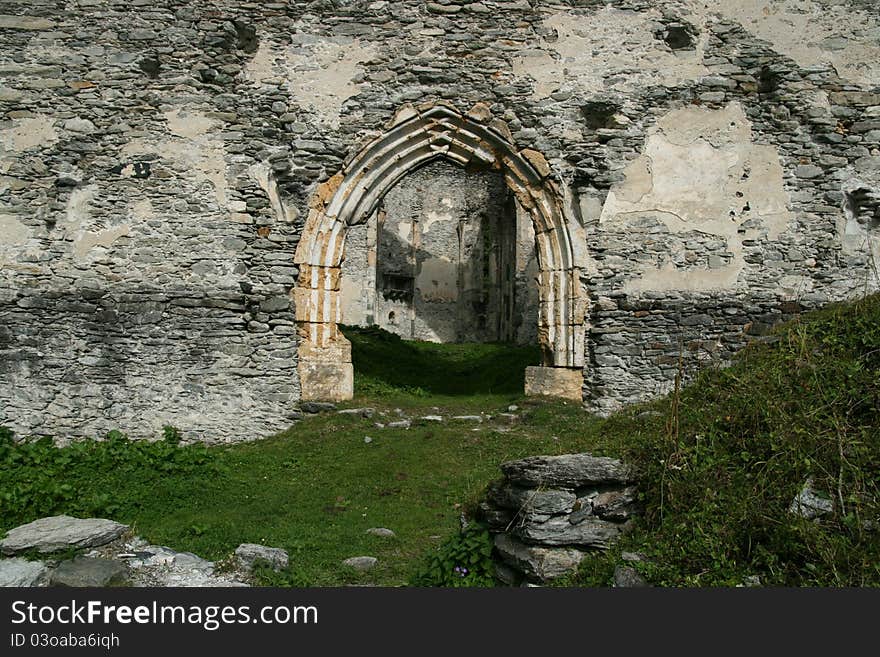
415 138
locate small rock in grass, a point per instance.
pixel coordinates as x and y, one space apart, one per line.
363 412
361 563
513 408
433 418
628 577
381 531
399 424
250 554
367 440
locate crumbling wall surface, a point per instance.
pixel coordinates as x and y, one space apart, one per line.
157 161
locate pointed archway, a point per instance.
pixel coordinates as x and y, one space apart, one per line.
414 137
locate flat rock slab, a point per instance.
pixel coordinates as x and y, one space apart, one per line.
537 563
591 532
61 533
21 572
251 554
89 571
567 471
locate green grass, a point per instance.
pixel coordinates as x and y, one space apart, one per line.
387 366
720 462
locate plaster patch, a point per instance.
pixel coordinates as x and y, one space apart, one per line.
189 124
141 210
437 280
612 50
318 73
13 234
700 171
810 32
405 231
432 217
88 240
28 133
78 210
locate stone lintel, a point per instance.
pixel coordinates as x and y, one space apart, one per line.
562 382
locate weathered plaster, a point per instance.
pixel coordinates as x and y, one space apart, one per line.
589 52
700 171
194 149
318 73
811 32
28 133
13 235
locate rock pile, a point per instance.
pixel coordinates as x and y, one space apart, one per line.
549 511
115 557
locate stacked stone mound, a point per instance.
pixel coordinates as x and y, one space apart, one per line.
548 512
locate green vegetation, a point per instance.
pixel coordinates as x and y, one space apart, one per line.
387 366
721 461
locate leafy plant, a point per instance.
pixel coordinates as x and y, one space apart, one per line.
463 560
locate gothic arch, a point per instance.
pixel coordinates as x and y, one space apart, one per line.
415 137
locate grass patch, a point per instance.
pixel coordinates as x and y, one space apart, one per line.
723 460
386 366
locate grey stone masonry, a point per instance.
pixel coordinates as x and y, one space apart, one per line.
719 167
548 512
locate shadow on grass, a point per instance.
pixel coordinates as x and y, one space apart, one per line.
384 363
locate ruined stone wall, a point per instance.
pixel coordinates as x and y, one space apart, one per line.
441 260
157 159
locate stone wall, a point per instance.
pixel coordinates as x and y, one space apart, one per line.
548 512
157 160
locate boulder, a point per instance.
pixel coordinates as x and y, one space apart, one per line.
809 504
567 471
251 554
628 577
61 533
615 504
21 572
89 572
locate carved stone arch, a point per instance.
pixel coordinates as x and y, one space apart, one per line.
413 138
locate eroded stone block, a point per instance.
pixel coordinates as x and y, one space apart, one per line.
561 382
